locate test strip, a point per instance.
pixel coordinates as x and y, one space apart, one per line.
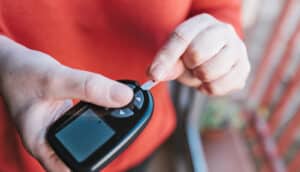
149 84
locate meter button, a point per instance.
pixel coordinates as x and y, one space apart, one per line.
139 99
122 113
132 86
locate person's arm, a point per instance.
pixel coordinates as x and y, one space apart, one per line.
228 11
37 89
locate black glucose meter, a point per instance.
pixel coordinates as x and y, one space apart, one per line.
87 137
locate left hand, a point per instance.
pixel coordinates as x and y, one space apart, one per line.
203 53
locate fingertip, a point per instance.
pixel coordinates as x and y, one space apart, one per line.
157 73
120 94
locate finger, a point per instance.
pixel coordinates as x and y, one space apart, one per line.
206 45
175 71
34 137
234 80
187 78
49 160
177 44
94 88
218 65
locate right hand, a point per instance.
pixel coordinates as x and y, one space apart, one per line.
37 90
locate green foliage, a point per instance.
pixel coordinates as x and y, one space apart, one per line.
221 113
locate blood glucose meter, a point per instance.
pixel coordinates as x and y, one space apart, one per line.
87 137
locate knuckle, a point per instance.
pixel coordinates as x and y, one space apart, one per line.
192 57
209 76
229 27
247 69
89 87
204 74
179 36
206 16
229 32
199 73
243 49
47 82
213 33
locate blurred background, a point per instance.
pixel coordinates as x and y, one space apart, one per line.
258 129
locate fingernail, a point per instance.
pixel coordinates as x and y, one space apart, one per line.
121 94
158 73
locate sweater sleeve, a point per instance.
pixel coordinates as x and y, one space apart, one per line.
228 11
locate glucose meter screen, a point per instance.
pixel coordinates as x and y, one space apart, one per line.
85 135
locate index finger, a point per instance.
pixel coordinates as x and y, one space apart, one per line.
176 45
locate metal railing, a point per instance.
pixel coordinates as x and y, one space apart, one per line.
275 142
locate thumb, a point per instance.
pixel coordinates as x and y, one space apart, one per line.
68 83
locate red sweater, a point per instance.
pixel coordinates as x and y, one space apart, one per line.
115 38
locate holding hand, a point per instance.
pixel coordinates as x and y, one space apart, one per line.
203 53
37 90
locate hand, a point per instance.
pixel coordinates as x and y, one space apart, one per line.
37 90
203 53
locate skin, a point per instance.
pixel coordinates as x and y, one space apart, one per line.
202 52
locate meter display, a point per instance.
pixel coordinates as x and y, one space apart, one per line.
78 138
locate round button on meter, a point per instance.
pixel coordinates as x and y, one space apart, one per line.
139 99
122 113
